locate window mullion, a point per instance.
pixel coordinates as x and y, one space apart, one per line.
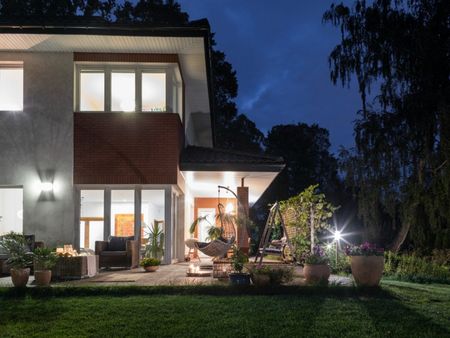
107 89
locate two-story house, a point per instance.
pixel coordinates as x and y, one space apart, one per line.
106 129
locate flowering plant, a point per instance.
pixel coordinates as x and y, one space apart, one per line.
317 256
365 249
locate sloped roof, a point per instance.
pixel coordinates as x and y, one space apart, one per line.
195 158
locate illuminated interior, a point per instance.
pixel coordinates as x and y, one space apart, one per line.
11 88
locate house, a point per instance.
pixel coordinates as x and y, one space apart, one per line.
106 129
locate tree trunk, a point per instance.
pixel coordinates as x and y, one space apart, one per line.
312 228
400 238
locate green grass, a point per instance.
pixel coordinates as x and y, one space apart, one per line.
399 309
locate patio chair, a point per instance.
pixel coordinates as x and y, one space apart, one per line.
118 252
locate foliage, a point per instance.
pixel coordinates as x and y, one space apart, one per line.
238 259
16 246
342 266
277 275
316 257
310 206
155 244
399 170
365 249
150 261
214 233
412 267
301 245
44 258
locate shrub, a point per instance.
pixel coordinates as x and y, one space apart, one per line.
44 258
277 275
16 246
343 262
150 261
412 267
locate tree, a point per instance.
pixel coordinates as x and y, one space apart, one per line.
399 169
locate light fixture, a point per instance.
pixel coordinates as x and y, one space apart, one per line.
337 235
229 208
46 186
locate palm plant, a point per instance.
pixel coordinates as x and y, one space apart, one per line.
155 240
16 246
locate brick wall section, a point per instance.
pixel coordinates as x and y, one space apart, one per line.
127 148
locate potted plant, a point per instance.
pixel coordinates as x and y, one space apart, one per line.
237 262
155 240
367 263
150 264
316 269
20 259
44 260
260 275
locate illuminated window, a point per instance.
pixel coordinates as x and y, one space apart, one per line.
11 87
123 97
92 91
153 92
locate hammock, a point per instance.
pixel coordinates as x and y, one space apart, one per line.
215 248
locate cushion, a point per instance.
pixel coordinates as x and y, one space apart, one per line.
30 242
118 243
113 253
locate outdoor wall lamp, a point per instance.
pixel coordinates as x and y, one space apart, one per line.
46 187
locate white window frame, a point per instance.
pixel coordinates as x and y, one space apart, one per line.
138 69
15 65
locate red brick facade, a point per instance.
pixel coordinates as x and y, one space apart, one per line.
127 148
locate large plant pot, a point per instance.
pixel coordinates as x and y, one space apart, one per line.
43 277
239 278
367 270
20 277
260 279
316 273
152 268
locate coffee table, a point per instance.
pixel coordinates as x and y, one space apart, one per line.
75 267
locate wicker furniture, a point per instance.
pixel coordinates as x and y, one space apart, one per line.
75 267
118 252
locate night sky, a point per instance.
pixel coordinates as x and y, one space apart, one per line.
280 50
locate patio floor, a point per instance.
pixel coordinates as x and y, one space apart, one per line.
174 274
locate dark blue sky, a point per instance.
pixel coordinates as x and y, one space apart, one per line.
280 50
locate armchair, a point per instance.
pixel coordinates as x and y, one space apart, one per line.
118 252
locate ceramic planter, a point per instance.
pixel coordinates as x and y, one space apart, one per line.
20 277
261 279
239 278
367 270
43 277
316 273
151 268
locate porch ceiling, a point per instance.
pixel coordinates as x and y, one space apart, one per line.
204 183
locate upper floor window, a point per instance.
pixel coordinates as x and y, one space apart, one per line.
11 87
127 88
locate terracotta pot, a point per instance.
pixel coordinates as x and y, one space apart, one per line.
152 268
20 277
43 277
316 273
261 280
367 270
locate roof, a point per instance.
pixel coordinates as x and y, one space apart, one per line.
195 158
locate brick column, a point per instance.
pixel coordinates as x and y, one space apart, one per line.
242 238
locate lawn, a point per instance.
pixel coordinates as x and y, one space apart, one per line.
400 309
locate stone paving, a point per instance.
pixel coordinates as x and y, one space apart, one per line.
174 274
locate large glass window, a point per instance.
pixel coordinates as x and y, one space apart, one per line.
11 210
11 87
91 218
153 216
153 92
122 212
92 91
123 97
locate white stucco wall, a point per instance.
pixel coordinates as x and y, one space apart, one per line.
40 139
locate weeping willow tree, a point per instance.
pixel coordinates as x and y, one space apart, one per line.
398 53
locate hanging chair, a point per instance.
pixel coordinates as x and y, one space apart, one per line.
215 248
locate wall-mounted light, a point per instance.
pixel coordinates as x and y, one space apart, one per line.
46 187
